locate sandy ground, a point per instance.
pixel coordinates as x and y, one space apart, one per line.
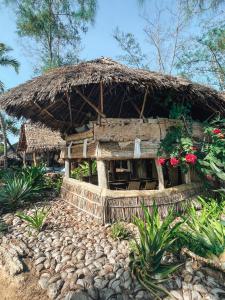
20 288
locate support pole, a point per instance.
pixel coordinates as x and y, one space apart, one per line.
102 174
34 159
187 176
67 168
24 158
160 175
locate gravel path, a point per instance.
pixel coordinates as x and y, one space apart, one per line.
76 258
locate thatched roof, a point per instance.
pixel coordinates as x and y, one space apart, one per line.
38 138
67 97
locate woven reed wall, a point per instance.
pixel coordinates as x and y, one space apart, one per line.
109 206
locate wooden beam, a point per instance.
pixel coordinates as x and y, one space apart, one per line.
34 159
187 176
143 105
160 175
90 103
69 106
101 97
135 107
102 174
67 168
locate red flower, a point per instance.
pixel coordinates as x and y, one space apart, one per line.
174 161
190 158
161 161
217 131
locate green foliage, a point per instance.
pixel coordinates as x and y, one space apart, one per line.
55 27
119 231
129 45
54 184
17 190
21 185
204 56
156 237
202 233
83 170
36 220
7 61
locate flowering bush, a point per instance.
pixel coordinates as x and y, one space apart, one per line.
207 156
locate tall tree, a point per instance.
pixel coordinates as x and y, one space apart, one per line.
203 58
55 28
163 37
6 124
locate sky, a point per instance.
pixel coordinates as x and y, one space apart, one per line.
97 42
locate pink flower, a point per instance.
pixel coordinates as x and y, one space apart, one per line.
217 131
161 161
174 161
191 158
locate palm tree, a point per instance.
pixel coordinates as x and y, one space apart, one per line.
6 61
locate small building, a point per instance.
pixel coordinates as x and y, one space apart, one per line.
116 116
39 144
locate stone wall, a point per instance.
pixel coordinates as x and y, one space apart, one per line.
109 206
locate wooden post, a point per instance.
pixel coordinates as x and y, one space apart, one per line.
67 168
141 168
90 169
34 159
187 176
102 174
160 175
24 158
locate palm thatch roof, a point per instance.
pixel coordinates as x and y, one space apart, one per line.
38 138
70 96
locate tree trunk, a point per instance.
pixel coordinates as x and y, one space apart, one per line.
4 134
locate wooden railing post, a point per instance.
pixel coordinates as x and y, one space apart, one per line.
160 175
67 168
102 174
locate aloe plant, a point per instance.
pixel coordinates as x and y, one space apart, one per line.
36 220
17 191
156 237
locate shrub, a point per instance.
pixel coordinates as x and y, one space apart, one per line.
17 191
119 231
203 233
83 170
35 221
34 174
156 237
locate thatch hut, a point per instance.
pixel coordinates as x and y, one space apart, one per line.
117 116
37 143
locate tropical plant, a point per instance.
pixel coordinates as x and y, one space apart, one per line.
120 232
5 61
202 233
34 174
36 220
17 190
156 237
83 170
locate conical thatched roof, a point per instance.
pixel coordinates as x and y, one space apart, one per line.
70 96
38 138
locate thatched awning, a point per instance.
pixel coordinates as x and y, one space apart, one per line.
70 96
38 138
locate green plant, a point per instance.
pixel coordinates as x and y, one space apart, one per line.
18 190
203 232
34 174
119 231
35 221
83 170
156 237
